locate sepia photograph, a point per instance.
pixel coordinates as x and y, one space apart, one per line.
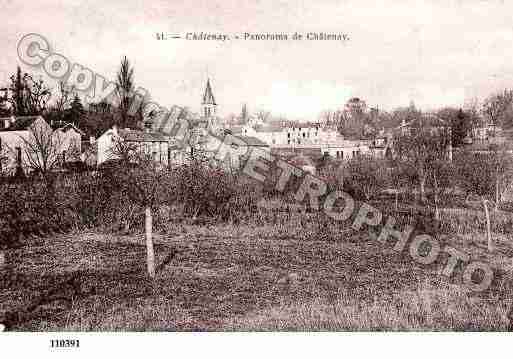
260 168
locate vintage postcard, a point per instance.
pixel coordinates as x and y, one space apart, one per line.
259 166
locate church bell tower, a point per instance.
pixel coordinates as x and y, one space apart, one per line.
208 105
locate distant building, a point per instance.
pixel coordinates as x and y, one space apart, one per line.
21 137
486 132
153 144
379 147
70 138
355 105
303 162
345 149
309 133
208 105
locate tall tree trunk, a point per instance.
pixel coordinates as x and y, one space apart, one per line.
2 260
150 253
488 227
497 193
437 210
422 191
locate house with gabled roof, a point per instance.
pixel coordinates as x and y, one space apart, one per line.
18 135
154 144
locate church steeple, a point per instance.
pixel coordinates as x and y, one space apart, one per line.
208 96
208 105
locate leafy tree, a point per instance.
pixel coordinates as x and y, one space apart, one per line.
244 114
76 111
352 124
460 127
125 91
18 91
459 121
97 119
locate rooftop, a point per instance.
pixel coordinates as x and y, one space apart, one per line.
17 123
208 96
252 141
141 136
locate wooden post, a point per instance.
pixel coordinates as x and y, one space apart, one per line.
437 211
497 193
488 227
150 253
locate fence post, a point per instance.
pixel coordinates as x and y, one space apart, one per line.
150 253
488 227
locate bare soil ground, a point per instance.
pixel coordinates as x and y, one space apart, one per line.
224 277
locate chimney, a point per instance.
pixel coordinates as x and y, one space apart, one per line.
9 121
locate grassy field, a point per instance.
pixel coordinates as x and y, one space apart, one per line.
227 277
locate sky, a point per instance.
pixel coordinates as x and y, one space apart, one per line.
434 53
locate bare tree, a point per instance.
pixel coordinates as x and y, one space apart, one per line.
442 178
28 96
37 95
496 106
65 96
42 150
366 175
142 181
485 175
420 150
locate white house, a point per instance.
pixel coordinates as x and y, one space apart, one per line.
152 143
309 134
22 138
70 142
345 149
